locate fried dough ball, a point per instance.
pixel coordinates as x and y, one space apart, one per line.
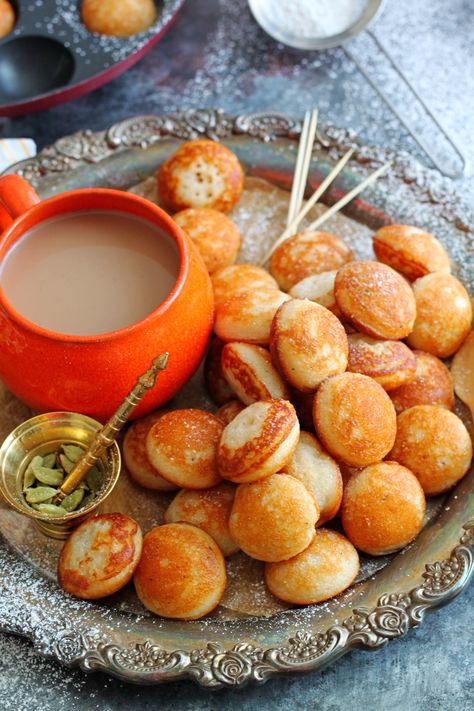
208 509
435 445
182 446
201 173
319 473
411 251
307 253
7 18
100 556
213 233
273 519
431 384
120 19
354 419
318 288
135 456
307 343
258 442
375 299
247 316
237 278
230 410
327 567
383 508
181 573
251 374
443 314
390 363
216 383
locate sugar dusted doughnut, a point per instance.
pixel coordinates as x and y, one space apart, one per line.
258 442
435 445
431 384
409 250
307 253
327 567
375 299
181 573
444 314
307 343
7 18
100 556
208 509
201 173
135 456
318 288
319 473
354 419
216 383
390 363
120 19
273 519
230 410
247 316
182 446
383 508
251 374
213 233
237 278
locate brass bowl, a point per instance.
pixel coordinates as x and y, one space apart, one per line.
41 435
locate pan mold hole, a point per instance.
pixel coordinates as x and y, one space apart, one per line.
30 66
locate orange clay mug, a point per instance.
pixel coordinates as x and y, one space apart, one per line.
92 374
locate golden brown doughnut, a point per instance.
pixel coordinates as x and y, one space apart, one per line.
213 233
217 385
375 299
273 519
432 384
390 363
201 173
382 508
182 446
237 278
327 567
307 343
247 316
230 410
443 314
100 556
120 19
208 509
7 18
435 445
354 419
319 473
181 573
409 250
318 288
307 253
251 374
135 456
259 441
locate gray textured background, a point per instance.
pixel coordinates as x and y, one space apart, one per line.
214 55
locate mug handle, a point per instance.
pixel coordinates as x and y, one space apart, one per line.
16 197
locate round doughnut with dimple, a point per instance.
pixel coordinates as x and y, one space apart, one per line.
233 280
307 343
318 288
375 299
390 363
355 419
247 316
431 384
251 374
410 250
258 442
213 233
273 519
382 508
135 456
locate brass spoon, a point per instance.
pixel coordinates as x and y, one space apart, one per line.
462 371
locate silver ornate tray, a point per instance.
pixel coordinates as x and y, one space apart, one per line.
234 649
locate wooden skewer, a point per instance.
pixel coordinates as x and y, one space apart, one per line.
298 167
293 227
347 198
306 162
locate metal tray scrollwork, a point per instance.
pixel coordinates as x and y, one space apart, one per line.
221 651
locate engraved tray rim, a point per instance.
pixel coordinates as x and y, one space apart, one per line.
212 663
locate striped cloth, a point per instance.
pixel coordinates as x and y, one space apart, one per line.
13 150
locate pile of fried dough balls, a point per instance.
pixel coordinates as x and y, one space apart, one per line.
333 401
